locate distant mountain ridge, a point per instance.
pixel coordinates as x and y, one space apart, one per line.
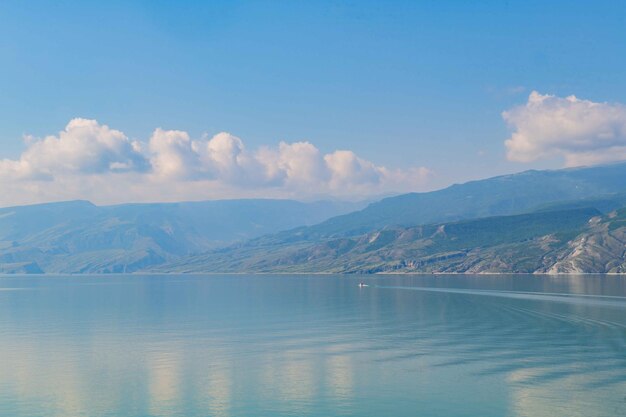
502 195
533 242
591 191
534 221
78 236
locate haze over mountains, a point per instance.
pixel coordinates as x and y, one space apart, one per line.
508 194
568 220
79 237
552 241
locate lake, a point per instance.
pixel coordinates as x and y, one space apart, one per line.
410 345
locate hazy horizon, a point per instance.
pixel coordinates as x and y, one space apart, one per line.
324 208
341 101
327 198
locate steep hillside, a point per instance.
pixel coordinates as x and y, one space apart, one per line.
518 243
601 249
508 194
78 236
522 222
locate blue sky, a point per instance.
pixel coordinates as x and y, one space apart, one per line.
401 84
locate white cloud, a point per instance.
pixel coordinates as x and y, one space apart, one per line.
230 161
300 164
84 147
88 160
173 154
347 169
582 132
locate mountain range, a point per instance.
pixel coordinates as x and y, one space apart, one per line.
553 241
80 237
550 221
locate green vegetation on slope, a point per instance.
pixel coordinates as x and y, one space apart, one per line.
513 243
504 195
80 237
505 223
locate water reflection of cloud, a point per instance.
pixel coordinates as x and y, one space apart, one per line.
290 376
566 396
339 377
52 376
219 389
544 354
164 376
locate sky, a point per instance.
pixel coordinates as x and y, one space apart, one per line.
163 101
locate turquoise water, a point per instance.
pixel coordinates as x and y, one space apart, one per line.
312 346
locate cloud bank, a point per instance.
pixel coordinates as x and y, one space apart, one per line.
89 160
582 132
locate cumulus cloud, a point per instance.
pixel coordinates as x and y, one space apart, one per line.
83 147
347 169
92 161
582 132
299 164
173 154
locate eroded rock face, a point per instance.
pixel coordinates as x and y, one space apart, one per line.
20 268
569 241
600 250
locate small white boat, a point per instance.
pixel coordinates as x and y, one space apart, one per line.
362 285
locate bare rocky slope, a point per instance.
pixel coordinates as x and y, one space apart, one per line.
602 248
80 237
534 221
554 241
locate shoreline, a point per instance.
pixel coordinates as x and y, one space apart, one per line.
138 273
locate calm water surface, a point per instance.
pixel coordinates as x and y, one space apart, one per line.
259 346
